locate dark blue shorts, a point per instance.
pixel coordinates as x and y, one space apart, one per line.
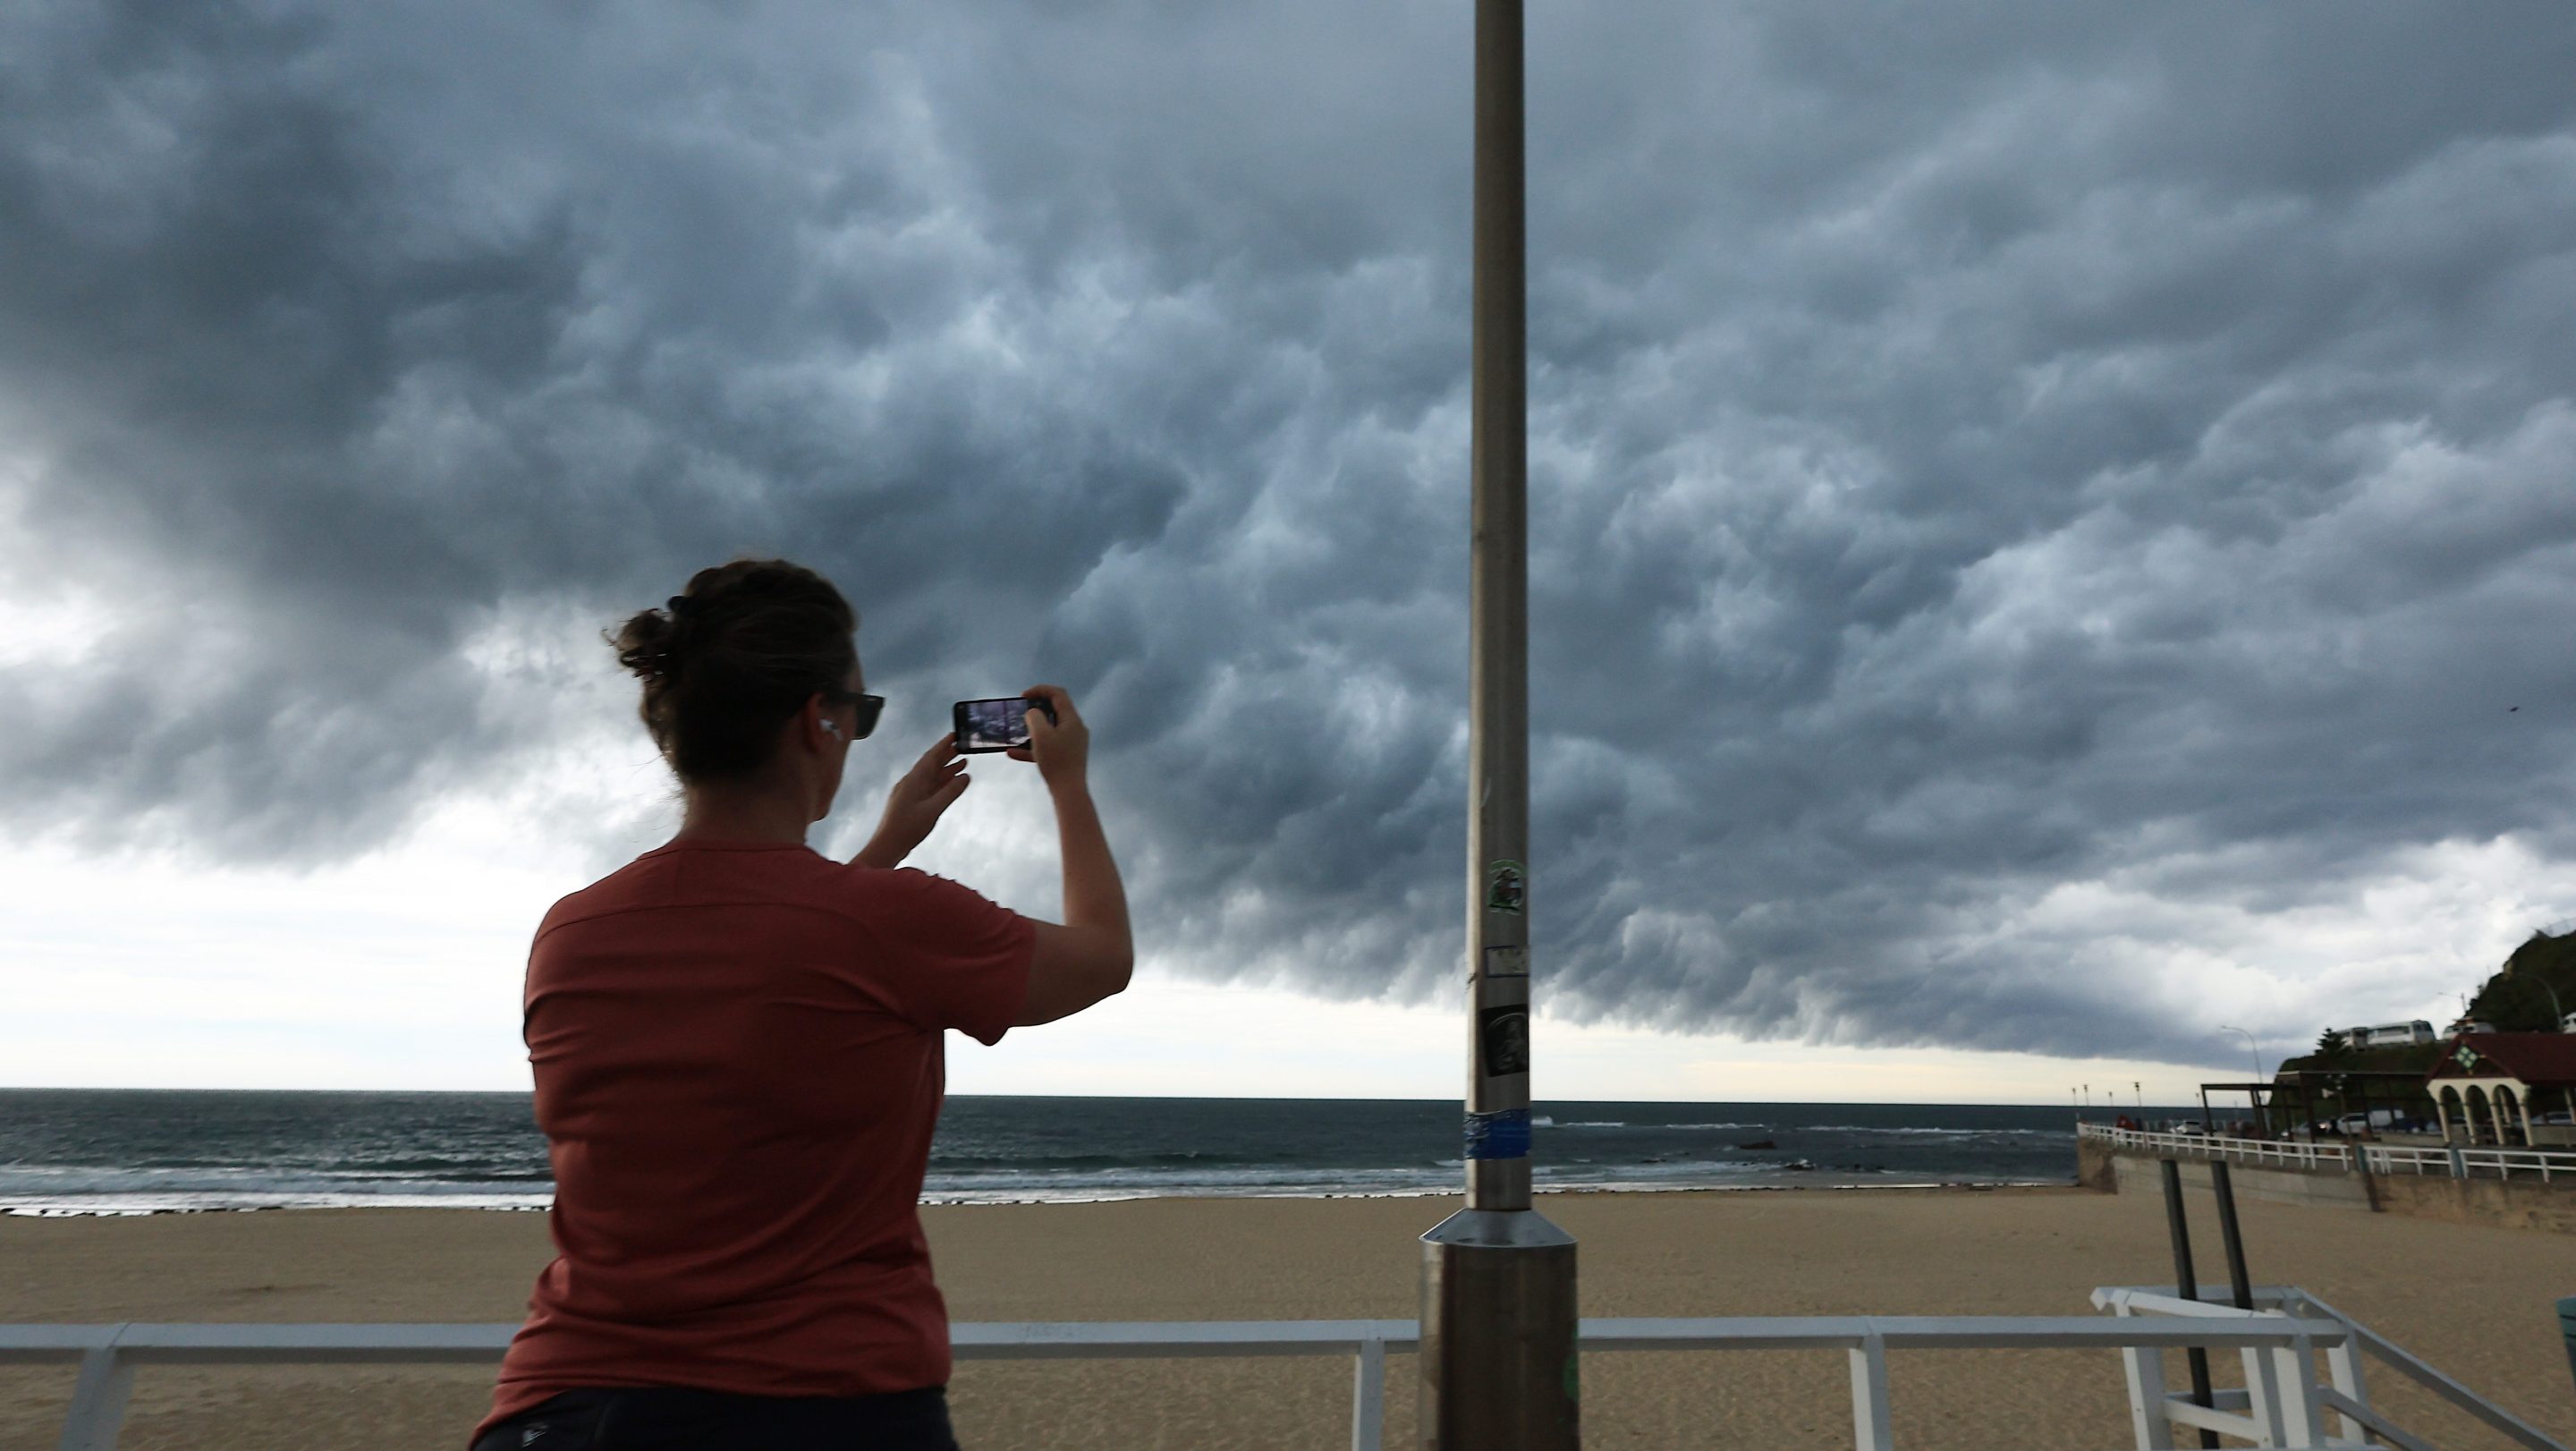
678 1418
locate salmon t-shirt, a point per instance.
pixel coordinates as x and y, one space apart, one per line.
737 1052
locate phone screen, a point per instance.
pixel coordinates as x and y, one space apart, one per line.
992 725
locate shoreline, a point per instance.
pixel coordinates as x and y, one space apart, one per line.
1001 1199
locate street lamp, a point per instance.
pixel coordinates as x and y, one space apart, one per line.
2251 1046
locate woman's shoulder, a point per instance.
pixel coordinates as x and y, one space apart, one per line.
875 889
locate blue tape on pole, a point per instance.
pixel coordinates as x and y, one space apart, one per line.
1504 1135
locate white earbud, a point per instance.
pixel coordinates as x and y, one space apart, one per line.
832 727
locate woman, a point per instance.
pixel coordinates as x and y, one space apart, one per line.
737 1051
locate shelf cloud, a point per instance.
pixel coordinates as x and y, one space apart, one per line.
2023 496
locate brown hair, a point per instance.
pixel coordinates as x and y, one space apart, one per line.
732 657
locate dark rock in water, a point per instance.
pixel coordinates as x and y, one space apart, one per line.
1759 1144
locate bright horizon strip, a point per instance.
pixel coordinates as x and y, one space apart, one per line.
401 971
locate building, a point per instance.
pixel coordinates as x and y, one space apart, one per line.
2506 1088
2389 1035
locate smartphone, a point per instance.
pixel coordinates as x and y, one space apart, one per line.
996 725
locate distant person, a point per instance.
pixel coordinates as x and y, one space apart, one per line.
738 1055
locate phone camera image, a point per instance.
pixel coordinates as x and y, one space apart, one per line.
993 725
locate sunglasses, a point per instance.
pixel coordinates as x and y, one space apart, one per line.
869 708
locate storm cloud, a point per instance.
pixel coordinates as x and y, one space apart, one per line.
2018 491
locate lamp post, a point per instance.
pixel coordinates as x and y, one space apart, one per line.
1498 1367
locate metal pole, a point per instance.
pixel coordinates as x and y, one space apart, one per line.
2241 1284
1498 1359
2187 1285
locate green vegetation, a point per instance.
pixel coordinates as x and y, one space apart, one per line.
2516 999
2415 1058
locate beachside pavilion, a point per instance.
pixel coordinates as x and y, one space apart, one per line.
2485 1087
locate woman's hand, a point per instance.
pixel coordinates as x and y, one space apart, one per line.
1061 747
916 803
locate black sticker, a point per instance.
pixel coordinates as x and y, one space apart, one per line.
1503 1036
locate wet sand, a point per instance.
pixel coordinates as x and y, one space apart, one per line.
2475 1301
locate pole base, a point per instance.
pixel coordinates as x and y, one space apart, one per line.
1499 1369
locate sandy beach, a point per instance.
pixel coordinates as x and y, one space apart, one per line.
2474 1301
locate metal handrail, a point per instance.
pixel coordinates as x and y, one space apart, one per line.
108 1354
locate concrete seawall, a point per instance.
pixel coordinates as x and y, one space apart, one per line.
2138 1174
2512 1203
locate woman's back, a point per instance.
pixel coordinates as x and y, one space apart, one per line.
738 1056
738 1068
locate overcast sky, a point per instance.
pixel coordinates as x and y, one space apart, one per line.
2052 525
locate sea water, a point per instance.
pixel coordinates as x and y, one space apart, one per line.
132 1151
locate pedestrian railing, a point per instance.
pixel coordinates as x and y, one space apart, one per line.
2455 1162
2284 1153
2469 1163
2145 1323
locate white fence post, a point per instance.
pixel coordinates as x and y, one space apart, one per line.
2295 1373
2343 1369
1871 1430
2146 1367
98 1401
2263 1395
1368 1397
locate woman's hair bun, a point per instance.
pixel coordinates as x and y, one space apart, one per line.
644 644
726 661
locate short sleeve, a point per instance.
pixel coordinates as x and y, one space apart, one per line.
951 958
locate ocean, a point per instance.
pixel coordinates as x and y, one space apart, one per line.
89 1151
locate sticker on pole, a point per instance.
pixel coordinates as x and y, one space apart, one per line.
1506 888
1502 1040
1506 962
1503 1135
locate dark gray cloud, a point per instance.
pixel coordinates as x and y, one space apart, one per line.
1979 456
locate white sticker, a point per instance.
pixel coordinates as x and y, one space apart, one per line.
1506 962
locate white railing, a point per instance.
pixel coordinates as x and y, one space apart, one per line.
2280 1404
2284 1153
2461 1162
2277 1339
2400 1159
2455 1162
